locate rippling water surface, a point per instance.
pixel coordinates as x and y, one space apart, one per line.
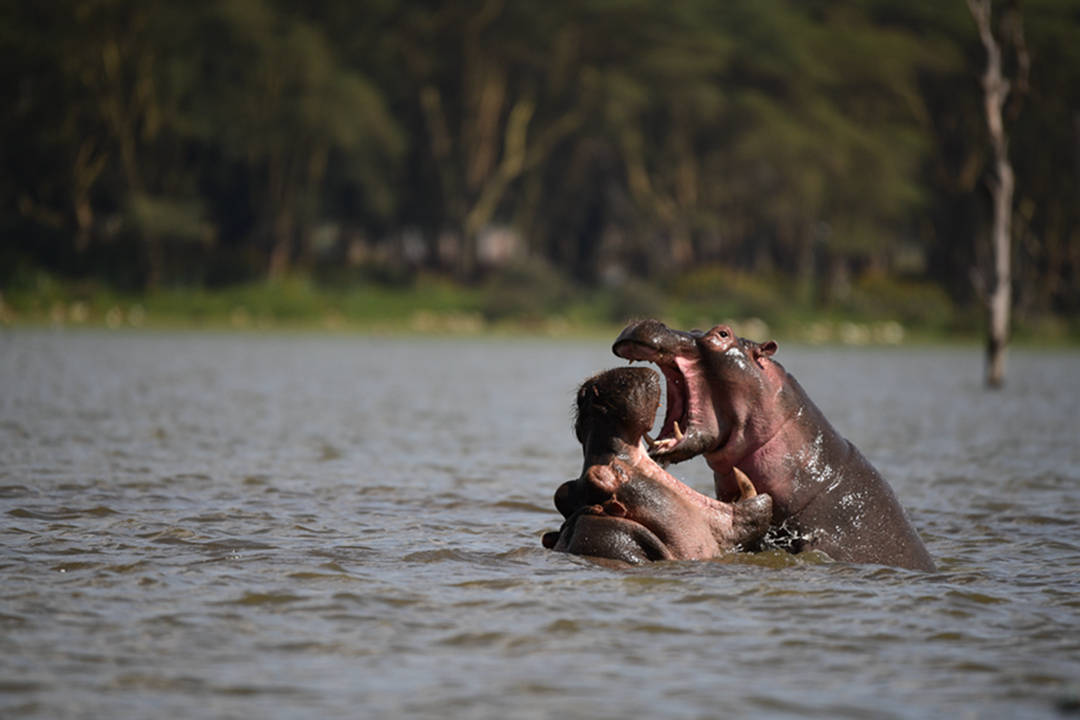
200 525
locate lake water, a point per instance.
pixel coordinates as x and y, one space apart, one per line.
235 526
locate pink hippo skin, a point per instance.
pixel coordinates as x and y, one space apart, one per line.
729 401
626 508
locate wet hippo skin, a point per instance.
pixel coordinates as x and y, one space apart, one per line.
729 401
624 506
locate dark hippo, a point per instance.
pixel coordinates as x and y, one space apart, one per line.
626 507
731 402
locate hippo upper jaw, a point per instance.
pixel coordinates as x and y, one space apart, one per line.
716 384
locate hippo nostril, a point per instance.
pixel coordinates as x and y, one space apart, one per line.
596 486
614 508
601 478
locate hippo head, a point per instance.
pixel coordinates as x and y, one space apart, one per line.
724 393
624 506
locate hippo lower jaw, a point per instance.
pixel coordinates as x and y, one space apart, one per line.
591 533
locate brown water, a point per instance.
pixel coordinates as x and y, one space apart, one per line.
199 525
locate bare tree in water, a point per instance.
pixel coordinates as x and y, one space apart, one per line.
996 88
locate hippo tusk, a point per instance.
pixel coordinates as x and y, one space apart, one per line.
746 488
678 432
648 440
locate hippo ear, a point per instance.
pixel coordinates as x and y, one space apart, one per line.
765 349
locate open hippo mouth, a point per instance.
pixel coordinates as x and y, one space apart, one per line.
626 507
691 426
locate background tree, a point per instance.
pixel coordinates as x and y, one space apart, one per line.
280 104
996 89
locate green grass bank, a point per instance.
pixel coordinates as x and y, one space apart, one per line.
530 301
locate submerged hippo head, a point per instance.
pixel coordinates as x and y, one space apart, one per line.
716 382
626 507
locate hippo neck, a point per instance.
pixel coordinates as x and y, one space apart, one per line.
776 467
796 462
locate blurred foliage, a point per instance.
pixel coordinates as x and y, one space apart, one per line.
751 155
913 303
529 290
633 299
732 293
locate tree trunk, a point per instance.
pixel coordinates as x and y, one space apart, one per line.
280 199
281 249
86 169
995 92
1001 293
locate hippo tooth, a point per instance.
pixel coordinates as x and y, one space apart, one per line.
665 444
648 440
678 432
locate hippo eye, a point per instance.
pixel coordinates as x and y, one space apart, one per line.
723 333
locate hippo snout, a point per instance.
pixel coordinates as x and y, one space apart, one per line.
752 518
645 339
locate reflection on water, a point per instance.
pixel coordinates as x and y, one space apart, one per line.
224 526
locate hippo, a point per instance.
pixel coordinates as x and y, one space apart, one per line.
729 401
624 507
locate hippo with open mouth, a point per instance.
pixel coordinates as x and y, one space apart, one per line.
728 400
624 506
